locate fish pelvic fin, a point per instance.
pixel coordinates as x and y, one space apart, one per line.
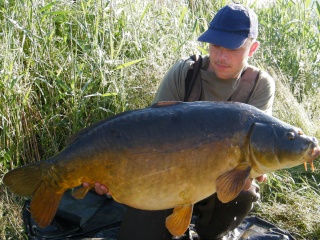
230 184
178 222
25 180
81 192
44 205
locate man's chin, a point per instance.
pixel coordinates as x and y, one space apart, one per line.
223 76
226 75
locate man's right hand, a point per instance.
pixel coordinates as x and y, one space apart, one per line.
99 188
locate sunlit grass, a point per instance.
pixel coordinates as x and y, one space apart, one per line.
11 226
67 64
292 203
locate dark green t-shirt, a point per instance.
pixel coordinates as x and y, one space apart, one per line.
172 87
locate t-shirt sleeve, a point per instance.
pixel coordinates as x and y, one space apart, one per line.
263 95
172 86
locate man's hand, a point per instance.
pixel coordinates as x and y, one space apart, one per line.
102 189
99 188
248 183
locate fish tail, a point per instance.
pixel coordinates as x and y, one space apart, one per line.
31 180
25 180
44 205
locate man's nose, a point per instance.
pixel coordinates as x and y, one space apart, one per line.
222 53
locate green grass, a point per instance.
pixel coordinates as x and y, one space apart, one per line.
67 64
292 202
11 216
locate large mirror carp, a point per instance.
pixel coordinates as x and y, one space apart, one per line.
169 155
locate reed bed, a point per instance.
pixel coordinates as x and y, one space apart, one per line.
67 64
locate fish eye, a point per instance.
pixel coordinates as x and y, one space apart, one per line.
290 135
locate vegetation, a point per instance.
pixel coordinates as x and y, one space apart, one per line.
67 64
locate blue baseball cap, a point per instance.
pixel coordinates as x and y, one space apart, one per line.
231 26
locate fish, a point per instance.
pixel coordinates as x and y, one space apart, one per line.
168 155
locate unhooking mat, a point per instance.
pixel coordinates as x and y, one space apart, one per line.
99 217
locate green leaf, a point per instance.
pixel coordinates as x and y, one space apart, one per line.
62 12
128 64
101 95
318 8
46 7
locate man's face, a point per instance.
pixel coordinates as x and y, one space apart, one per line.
228 63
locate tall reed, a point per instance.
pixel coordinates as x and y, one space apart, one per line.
67 64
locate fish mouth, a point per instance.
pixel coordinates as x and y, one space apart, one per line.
314 154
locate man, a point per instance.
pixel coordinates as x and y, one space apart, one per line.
232 40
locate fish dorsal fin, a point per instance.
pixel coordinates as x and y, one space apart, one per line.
165 104
230 184
178 222
73 138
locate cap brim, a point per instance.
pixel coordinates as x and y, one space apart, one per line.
223 39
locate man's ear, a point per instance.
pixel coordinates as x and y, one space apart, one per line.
255 45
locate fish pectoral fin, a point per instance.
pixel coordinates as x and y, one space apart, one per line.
82 192
178 222
230 184
44 205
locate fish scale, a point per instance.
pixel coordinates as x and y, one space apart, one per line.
169 155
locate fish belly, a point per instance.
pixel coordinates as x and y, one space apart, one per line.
166 180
